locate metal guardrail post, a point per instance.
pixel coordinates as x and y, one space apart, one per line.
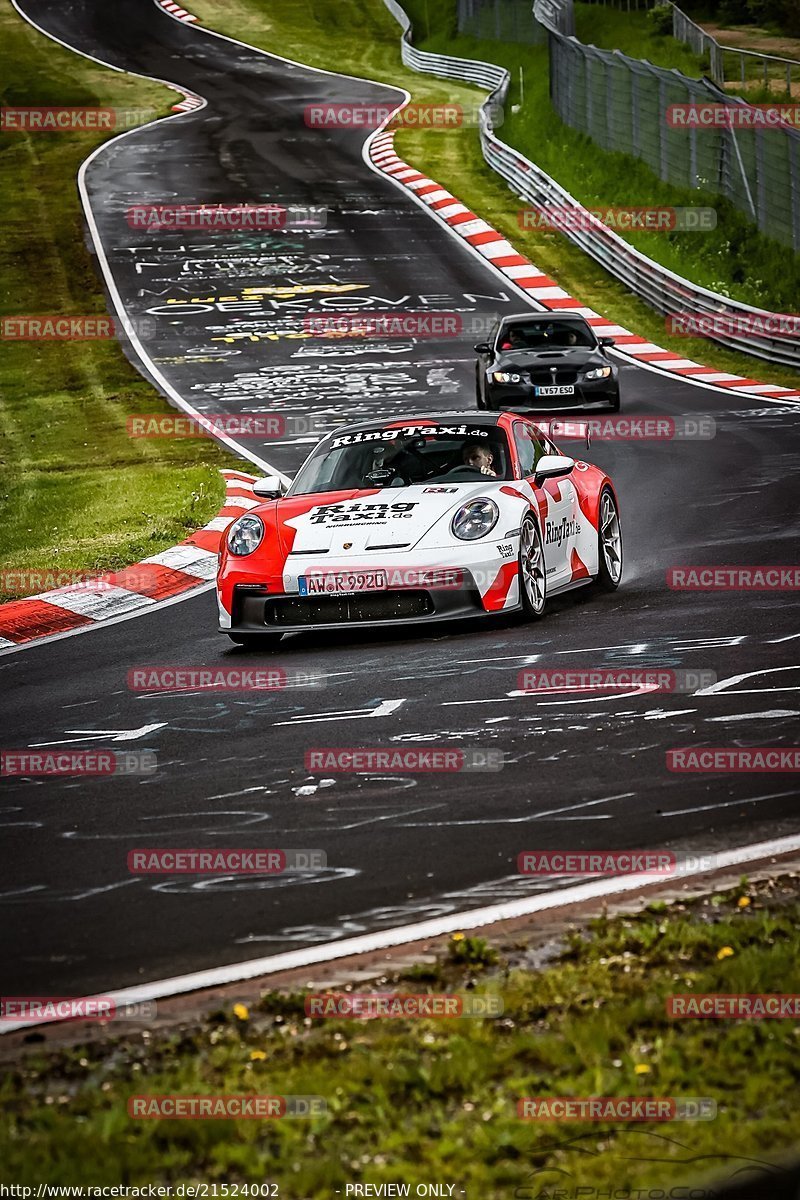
635 112
662 137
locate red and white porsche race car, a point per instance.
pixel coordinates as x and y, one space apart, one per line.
417 520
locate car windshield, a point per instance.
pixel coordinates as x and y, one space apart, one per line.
403 456
546 335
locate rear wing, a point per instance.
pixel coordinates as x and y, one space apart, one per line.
565 427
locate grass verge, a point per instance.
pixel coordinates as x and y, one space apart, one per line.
415 1101
317 32
78 495
635 34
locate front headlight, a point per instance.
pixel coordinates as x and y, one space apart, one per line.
506 377
599 373
245 535
474 519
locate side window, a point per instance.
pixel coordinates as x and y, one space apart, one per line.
529 448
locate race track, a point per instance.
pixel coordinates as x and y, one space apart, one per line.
580 771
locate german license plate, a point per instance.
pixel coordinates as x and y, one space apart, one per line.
342 581
556 389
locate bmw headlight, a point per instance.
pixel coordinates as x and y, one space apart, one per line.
506 377
245 535
475 519
599 373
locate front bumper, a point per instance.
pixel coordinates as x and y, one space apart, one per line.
429 592
521 397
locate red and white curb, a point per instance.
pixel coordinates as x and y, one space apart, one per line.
175 10
540 287
189 104
179 569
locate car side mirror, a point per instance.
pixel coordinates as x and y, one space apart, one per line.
268 488
607 341
553 466
482 348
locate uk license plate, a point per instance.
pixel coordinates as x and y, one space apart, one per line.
339 582
556 389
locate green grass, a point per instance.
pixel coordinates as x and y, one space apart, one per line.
435 1100
633 33
317 32
77 493
636 34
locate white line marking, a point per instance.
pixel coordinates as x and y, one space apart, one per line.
682 812
157 989
555 813
100 735
345 714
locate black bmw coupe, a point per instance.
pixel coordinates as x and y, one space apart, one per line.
546 362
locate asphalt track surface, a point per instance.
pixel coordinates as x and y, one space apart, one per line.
581 771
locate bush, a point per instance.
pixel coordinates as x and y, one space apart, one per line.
660 20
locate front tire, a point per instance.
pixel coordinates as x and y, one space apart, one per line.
609 543
479 400
532 571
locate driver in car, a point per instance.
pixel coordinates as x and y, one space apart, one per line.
401 458
476 455
514 339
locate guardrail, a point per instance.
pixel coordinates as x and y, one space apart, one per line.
663 290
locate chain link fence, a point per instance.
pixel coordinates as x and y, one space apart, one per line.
500 21
628 105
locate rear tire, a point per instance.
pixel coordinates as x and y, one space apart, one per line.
532 571
609 543
256 641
